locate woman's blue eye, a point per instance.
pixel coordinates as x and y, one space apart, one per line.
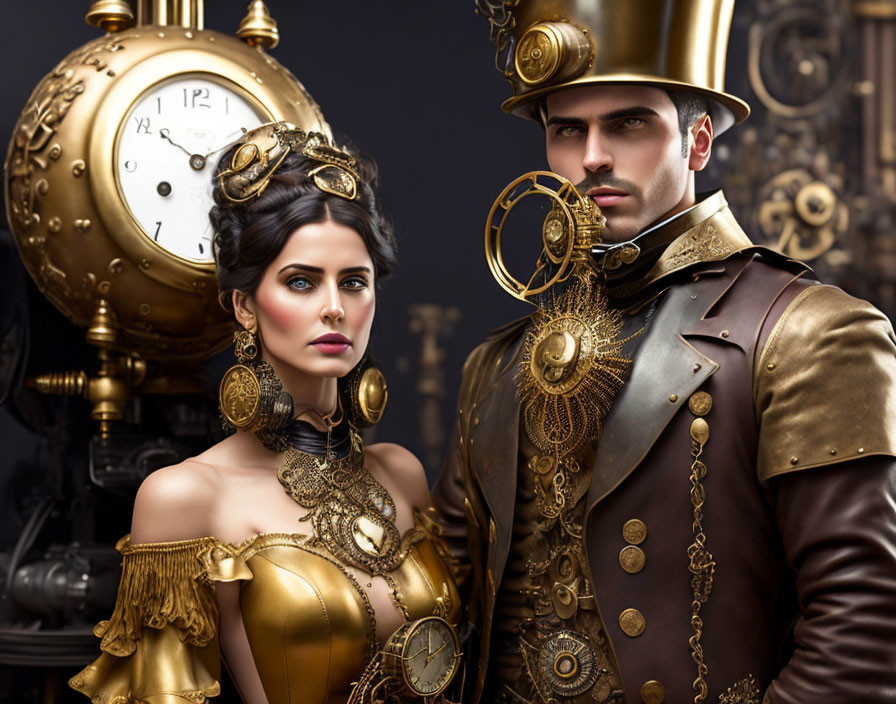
300 283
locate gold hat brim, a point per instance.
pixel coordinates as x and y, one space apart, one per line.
727 110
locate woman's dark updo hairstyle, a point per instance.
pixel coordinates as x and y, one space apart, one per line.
249 236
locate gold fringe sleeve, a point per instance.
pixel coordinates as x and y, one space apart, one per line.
160 645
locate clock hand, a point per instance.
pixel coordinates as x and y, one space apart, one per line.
230 140
197 161
411 657
429 658
165 134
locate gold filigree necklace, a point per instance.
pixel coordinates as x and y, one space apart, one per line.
351 513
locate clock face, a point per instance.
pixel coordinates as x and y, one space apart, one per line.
430 656
168 147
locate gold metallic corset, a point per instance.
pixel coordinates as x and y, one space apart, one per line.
307 619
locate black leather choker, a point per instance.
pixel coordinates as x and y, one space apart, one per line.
305 437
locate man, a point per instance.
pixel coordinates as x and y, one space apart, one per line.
727 533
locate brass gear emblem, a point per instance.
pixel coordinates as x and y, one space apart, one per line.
239 396
567 662
538 54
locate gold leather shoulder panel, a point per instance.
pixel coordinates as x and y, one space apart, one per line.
825 384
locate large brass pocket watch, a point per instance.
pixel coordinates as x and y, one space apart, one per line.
424 654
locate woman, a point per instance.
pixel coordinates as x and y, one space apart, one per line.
288 548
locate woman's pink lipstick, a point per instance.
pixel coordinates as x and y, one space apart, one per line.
332 343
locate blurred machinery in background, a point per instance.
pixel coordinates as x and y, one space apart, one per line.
813 172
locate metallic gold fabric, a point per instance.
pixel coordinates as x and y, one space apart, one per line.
306 617
831 351
160 643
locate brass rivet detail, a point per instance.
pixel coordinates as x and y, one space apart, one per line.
55 152
145 264
634 531
632 559
700 403
78 167
115 266
82 225
42 186
725 333
697 368
833 452
652 692
143 309
476 420
861 450
673 398
794 459
770 366
104 287
632 622
54 224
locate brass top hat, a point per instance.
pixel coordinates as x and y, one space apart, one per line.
548 45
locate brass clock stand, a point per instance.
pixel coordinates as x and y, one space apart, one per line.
107 186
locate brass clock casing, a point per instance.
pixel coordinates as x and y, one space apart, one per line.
77 237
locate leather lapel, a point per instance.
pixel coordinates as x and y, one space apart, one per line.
665 367
495 442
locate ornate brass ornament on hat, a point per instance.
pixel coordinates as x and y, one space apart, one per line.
263 150
548 45
250 395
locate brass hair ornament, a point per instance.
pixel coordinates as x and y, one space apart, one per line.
264 149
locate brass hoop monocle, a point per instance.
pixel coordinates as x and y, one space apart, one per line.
571 228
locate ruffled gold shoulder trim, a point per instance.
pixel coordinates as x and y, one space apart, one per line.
169 583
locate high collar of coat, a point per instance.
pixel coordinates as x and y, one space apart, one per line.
707 232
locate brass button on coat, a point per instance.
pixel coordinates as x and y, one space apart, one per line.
634 531
700 403
652 692
632 622
632 559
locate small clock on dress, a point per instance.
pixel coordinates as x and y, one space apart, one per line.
424 654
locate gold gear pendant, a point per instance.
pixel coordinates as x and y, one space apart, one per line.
572 364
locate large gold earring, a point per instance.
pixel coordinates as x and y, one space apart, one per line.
368 394
250 395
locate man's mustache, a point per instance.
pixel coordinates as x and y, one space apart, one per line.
593 180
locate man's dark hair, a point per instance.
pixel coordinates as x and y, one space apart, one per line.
690 108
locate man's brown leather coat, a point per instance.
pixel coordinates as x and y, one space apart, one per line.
800 507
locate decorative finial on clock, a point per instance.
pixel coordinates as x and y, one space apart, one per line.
258 28
110 15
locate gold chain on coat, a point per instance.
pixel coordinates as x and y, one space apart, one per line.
701 563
